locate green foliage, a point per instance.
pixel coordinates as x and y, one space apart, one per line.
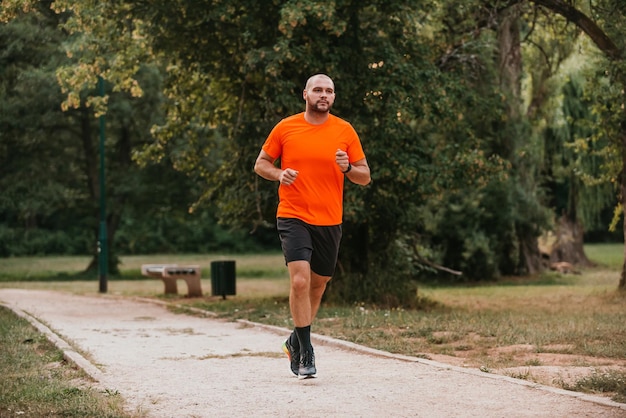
233 70
48 192
28 59
172 231
197 85
20 241
574 169
602 381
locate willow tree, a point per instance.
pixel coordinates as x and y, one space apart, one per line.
555 55
604 22
485 42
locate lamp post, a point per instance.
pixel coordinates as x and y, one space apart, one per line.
103 253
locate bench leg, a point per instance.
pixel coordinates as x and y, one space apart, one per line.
170 285
194 288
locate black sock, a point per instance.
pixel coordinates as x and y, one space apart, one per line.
293 340
304 336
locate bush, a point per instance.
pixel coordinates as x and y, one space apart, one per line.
15 242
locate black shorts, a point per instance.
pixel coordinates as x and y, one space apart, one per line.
319 245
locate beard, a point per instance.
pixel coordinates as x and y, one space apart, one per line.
320 107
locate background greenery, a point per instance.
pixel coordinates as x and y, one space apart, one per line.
482 124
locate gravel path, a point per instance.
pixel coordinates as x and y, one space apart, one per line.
174 365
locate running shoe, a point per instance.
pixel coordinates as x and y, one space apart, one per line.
294 356
306 368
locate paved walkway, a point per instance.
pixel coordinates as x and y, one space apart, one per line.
174 365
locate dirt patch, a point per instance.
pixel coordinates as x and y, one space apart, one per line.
552 366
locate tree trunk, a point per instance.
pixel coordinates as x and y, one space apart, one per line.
510 65
568 246
510 58
622 282
529 250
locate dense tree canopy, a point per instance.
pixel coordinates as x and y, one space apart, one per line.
437 93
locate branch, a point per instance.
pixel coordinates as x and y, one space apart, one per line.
438 267
572 14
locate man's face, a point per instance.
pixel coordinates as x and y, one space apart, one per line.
320 95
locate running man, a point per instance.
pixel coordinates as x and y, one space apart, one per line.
317 150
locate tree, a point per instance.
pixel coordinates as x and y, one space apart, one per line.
558 114
454 183
49 180
484 42
407 97
610 41
40 181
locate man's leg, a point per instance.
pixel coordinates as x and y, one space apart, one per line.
307 289
318 287
303 288
300 293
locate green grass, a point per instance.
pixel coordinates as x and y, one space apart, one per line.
607 255
60 268
35 381
579 317
602 382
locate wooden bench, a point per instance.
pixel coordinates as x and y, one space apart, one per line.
170 273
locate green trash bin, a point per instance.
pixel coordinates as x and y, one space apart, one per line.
223 280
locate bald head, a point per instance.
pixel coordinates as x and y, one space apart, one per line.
318 77
319 95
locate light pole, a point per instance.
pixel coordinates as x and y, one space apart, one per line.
103 253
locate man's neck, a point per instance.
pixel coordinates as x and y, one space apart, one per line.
316 118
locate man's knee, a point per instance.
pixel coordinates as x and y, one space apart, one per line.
300 274
300 283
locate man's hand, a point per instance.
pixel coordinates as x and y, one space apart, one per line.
342 160
288 176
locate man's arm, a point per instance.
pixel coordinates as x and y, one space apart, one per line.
359 173
264 167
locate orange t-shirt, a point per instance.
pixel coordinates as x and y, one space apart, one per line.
316 197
